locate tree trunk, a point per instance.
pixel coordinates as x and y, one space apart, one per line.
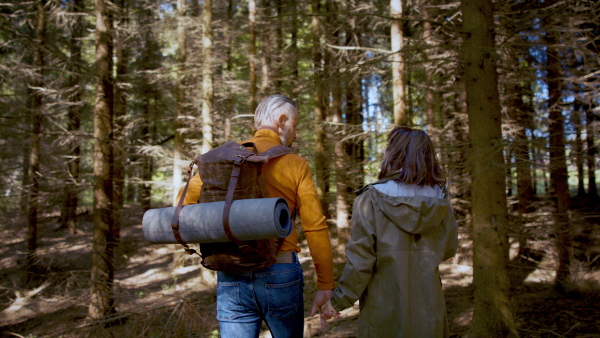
34 155
520 117
70 201
252 56
525 188
208 276
26 158
228 74
578 149
590 117
278 62
319 106
492 315
354 149
266 32
559 187
543 175
148 105
294 49
339 130
462 187
120 111
207 77
145 190
398 68
429 80
102 293
180 97
341 205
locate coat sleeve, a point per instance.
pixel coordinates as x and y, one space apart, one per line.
360 254
452 232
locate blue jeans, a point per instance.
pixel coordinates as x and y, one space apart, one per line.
273 294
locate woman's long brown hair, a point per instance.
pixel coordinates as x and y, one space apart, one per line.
410 153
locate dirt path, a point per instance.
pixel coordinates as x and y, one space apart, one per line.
153 299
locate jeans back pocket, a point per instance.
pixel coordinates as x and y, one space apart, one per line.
283 300
229 304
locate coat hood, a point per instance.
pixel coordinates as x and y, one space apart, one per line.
412 214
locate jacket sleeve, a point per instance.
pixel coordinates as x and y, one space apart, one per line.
315 229
193 193
360 254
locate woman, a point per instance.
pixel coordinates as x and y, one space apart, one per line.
403 227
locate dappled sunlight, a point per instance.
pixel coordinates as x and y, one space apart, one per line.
151 293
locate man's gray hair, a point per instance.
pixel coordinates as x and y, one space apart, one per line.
271 107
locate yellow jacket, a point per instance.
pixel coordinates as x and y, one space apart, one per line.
289 177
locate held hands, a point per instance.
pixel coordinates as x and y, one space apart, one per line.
321 297
328 312
323 304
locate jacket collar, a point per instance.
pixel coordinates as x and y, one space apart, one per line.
383 180
267 135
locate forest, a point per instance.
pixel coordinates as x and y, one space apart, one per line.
103 105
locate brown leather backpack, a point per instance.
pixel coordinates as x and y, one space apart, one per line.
231 172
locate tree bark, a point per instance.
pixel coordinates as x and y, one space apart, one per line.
207 77
266 32
339 130
252 56
354 149
120 118
520 116
341 206
559 187
294 49
492 315
578 149
591 153
228 73
429 80
277 69
398 68
35 151
147 160
180 101
102 293
319 106
148 128
70 201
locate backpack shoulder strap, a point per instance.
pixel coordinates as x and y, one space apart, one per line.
235 172
277 151
175 220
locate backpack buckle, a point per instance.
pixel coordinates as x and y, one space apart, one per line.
245 248
239 159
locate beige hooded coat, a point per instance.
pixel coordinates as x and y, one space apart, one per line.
392 263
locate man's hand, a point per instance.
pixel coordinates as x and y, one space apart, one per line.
321 297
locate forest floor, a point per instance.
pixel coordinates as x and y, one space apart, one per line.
154 299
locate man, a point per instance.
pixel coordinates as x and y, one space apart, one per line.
274 294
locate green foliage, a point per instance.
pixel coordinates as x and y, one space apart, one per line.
354 48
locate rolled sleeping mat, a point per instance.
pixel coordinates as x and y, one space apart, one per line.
249 219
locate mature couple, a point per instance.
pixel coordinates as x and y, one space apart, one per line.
403 227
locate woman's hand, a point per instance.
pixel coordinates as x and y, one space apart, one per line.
328 312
